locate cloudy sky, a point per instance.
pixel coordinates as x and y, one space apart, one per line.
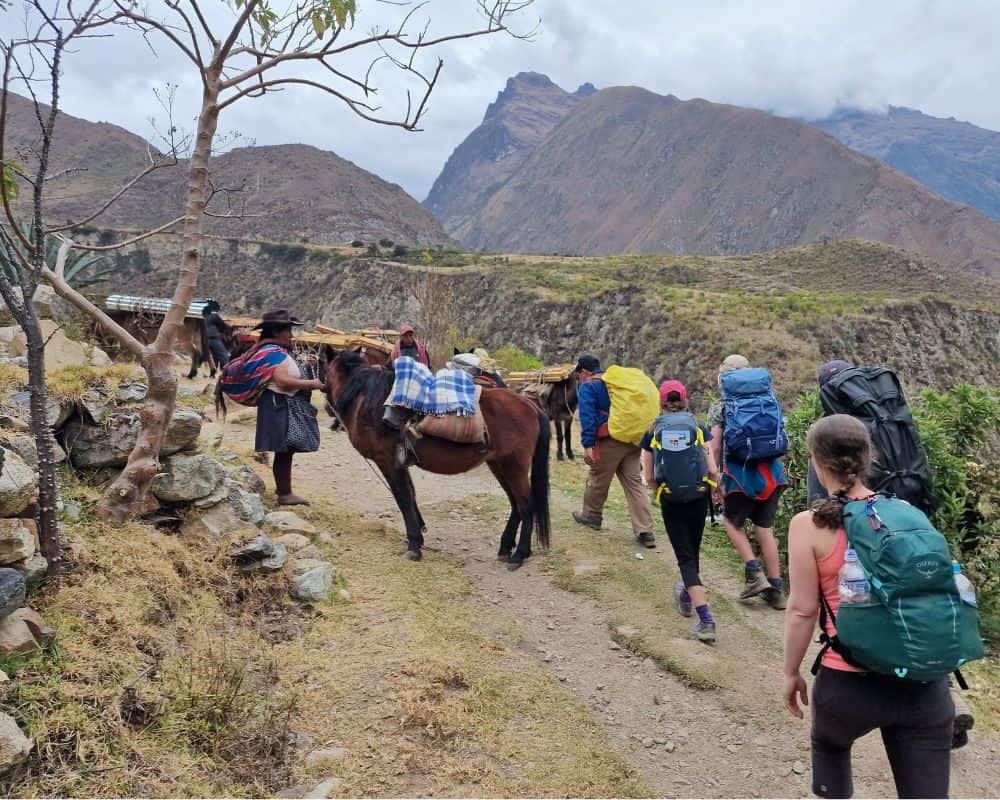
789 56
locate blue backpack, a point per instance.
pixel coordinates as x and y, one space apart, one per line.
679 466
755 428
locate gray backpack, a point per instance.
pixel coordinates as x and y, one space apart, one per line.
679 466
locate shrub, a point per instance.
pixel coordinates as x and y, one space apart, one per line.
357 243
514 359
387 243
400 251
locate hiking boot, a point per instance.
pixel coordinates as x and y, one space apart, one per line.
963 720
704 631
756 584
683 600
646 539
586 519
774 597
292 500
392 417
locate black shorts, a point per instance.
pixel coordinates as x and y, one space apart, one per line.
738 508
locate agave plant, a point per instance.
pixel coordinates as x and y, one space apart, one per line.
81 269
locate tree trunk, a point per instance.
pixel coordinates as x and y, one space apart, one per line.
127 496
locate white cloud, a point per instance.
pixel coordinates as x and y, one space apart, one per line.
792 57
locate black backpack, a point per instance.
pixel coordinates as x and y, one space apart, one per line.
679 466
875 396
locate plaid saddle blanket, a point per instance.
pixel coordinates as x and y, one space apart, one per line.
450 391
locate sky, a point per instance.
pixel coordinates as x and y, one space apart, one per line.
793 57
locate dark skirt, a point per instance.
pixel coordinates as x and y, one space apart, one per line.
272 423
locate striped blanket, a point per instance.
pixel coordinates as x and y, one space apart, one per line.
450 391
244 379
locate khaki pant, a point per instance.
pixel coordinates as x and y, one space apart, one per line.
624 460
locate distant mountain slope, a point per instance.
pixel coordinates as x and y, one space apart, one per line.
292 192
516 122
957 160
627 170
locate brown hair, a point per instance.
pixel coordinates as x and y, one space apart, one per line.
842 446
674 403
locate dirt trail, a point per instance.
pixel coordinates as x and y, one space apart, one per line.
683 741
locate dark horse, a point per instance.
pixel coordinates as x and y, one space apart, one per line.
559 405
517 453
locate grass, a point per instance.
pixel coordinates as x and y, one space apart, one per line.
174 676
74 381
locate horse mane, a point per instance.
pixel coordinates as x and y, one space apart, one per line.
373 384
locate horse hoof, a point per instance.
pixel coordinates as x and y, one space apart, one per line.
503 555
515 561
559 457
413 555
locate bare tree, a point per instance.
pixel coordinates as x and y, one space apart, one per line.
263 47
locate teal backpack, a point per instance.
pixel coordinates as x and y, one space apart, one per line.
915 626
679 466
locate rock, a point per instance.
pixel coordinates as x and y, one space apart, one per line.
799 768
614 646
299 566
214 522
108 444
43 634
317 758
293 541
18 485
23 444
18 540
249 479
217 496
45 300
259 554
313 585
14 423
627 631
587 569
60 350
188 477
12 590
3 677
15 747
34 569
670 747
292 792
57 411
71 510
648 742
659 740
16 637
344 595
96 357
288 522
131 392
245 503
309 551
325 789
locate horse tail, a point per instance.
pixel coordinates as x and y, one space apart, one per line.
540 480
220 401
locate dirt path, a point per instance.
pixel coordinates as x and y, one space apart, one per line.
731 741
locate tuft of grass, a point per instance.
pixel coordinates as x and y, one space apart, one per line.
12 378
74 381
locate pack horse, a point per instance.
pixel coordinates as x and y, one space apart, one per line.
553 390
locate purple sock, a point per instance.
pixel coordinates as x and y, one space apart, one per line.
775 582
704 615
752 565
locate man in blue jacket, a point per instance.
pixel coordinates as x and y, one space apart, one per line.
607 457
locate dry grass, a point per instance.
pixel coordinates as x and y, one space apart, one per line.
12 378
73 382
174 676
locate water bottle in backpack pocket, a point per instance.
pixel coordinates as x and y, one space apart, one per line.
852 584
754 425
679 465
914 625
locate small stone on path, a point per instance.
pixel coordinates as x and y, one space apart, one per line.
325 755
288 522
670 747
647 743
798 768
323 790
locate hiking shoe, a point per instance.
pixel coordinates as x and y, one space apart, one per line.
774 597
587 520
646 539
683 600
704 631
963 721
756 584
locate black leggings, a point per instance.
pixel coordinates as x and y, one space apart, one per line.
685 524
282 469
916 721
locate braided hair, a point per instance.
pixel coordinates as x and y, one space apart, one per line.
840 444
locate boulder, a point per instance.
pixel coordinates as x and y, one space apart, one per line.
214 522
186 478
18 485
60 350
16 638
15 747
259 555
12 591
57 410
48 305
245 503
18 540
293 541
24 446
109 444
314 584
249 479
288 522
300 566
34 569
43 633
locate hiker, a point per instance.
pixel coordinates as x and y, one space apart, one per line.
914 717
607 456
409 346
751 484
681 472
286 419
903 456
217 331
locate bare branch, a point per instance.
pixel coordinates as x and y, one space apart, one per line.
91 248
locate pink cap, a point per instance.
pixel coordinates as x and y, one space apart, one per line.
406 329
672 386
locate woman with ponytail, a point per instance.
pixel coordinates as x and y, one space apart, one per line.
915 719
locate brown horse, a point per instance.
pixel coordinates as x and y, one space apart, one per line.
191 338
559 405
517 453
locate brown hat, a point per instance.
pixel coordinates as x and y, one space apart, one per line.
277 318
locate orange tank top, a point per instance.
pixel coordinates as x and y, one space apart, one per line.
829 578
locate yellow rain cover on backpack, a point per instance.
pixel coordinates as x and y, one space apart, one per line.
635 402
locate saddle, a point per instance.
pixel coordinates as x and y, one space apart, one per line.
460 429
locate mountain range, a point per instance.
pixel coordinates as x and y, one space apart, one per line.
290 192
626 170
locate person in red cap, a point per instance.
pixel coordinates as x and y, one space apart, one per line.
681 471
409 346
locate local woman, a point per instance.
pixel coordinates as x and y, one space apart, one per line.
915 719
286 419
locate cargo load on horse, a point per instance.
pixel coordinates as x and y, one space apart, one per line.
553 390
